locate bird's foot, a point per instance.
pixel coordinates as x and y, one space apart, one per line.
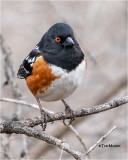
69 111
45 117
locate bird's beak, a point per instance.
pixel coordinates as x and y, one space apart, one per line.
68 42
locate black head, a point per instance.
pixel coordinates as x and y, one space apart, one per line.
59 47
59 36
60 29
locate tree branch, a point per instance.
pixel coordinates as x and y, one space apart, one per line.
8 68
34 106
24 103
77 134
18 128
101 139
10 77
78 113
24 127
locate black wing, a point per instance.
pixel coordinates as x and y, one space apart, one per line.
25 68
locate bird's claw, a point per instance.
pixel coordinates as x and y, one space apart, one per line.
45 117
68 111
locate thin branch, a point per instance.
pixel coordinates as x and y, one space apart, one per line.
8 68
101 139
78 113
11 80
36 107
20 127
77 134
12 127
61 152
21 102
24 103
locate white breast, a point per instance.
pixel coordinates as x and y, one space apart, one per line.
65 85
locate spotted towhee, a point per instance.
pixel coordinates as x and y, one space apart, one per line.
54 68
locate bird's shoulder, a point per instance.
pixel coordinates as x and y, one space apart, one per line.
26 67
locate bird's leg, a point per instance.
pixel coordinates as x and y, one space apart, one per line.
68 110
45 116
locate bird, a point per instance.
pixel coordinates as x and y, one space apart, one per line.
54 68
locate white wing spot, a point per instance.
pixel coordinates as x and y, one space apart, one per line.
36 47
27 58
25 70
31 64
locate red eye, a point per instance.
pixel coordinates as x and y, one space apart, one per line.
57 39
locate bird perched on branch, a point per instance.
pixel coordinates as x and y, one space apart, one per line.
54 68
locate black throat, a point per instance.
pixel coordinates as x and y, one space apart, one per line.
67 59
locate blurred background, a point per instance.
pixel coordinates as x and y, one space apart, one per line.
100 28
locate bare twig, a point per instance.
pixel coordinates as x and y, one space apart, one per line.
11 80
61 152
8 68
21 102
12 127
101 139
21 127
78 113
36 107
77 134
24 103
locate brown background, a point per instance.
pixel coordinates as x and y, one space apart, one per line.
100 28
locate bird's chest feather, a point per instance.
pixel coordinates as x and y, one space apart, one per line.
65 85
51 83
